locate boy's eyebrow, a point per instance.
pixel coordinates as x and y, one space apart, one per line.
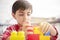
21 10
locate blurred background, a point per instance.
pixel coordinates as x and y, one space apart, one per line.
43 10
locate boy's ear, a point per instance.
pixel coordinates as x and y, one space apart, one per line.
13 15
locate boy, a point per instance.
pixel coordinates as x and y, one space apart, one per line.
21 11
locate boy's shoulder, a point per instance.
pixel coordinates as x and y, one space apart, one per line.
13 27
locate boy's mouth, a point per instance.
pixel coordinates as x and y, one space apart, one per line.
26 23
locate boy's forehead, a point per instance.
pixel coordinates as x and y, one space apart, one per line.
27 10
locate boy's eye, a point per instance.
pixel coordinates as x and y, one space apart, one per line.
28 14
21 14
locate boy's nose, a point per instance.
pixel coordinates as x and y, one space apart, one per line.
25 18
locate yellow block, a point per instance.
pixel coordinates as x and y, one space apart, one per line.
36 30
21 35
44 37
13 35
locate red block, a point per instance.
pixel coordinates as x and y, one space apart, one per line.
33 37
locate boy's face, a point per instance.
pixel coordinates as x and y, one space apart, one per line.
22 16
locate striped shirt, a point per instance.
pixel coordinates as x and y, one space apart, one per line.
7 33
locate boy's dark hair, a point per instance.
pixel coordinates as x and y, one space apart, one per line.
21 4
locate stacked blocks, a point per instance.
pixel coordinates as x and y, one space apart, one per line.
41 36
37 35
17 35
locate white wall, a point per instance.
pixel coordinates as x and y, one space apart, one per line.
46 8
5 10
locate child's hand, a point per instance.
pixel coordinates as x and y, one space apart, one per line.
26 27
8 38
25 24
45 27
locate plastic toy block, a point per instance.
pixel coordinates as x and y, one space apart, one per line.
33 37
44 37
21 35
13 35
47 33
36 30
